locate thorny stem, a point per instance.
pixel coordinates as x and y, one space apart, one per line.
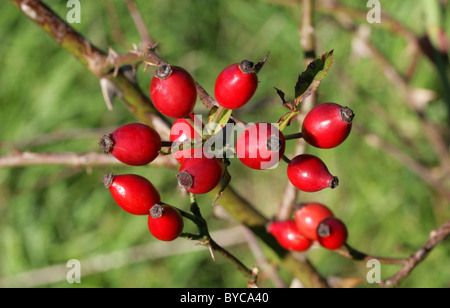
197 218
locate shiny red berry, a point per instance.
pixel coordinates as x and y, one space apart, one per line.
309 173
200 175
327 125
260 146
173 91
133 144
236 84
165 222
332 233
288 236
180 132
133 193
308 216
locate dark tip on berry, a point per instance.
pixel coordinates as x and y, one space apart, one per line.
347 114
334 182
108 179
247 67
185 179
156 211
323 230
164 71
273 143
298 206
106 143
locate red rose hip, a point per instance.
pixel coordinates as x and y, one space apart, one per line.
288 236
327 125
133 144
181 132
310 174
236 84
173 91
199 175
308 216
260 146
332 233
133 193
165 222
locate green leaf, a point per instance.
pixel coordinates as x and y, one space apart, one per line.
310 79
287 119
224 182
218 118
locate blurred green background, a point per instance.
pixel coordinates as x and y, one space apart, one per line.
49 102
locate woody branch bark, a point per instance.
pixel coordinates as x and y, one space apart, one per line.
105 66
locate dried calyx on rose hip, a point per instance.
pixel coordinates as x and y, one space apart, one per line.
236 85
133 193
310 174
134 144
260 146
327 125
173 91
165 222
288 236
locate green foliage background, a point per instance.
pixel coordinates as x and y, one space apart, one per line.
49 215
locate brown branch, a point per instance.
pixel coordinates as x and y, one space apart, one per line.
22 159
307 42
353 254
436 236
139 23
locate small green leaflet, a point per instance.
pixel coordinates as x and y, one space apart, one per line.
218 118
310 79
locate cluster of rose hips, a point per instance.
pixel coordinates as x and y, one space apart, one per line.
173 92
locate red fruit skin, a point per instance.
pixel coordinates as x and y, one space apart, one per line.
169 226
135 144
176 95
181 131
206 173
308 217
309 173
338 233
251 146
234 88
288 236
324 127
134 193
